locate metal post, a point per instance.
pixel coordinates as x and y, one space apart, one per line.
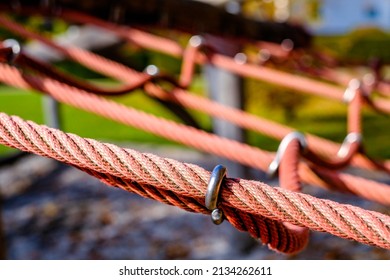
51 112
226 88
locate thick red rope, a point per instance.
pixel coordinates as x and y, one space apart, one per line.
275 225
167 46
285 237
201 140
189 182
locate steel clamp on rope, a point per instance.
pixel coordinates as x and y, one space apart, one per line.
274 166
350 139
354 85
156 75
196 41
15 47
212 193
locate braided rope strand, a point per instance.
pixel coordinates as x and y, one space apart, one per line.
243 153
189 180
275 216
282 238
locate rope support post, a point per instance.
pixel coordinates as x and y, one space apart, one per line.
226 88
51 112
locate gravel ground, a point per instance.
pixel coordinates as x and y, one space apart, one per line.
53 211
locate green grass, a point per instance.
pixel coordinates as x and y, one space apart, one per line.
28 105
20 103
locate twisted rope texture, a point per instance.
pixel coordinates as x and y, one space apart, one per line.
277 236
190 181
201 140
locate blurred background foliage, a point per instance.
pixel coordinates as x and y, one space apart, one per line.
361 45
305 113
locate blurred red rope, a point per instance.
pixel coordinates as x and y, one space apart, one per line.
125 74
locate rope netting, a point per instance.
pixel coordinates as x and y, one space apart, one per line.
248 203
279 217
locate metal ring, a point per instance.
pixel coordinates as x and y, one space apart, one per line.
15 47
350 139
196 41
264 55
233 7
287 45
152 70
274 166
211 198
350 92
240 58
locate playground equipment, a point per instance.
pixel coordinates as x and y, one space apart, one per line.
279 217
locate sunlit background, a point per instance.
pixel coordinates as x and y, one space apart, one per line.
58 212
